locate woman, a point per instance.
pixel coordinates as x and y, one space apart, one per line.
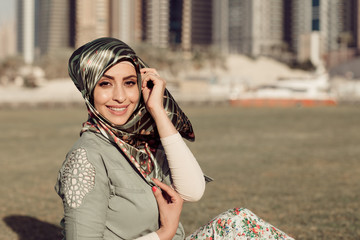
130 171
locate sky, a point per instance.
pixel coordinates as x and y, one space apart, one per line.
7 10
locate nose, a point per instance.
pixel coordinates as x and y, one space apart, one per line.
119 94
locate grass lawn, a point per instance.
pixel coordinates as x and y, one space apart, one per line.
297 168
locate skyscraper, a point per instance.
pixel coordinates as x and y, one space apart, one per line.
52 25
175 22
92 20
126 22
220 26
7 39
321 27
251 27
26 29
156 23
197 23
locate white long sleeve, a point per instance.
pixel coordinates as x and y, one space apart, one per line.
188 178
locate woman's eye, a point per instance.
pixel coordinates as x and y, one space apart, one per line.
104 83
130 83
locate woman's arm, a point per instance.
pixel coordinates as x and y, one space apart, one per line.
188 179
187 176
153 97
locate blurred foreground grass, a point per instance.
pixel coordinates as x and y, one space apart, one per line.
297 168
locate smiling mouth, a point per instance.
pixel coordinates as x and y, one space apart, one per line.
117 109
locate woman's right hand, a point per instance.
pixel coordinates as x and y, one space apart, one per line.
170 205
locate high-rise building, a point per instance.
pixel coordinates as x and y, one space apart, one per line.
220 26
26 29
266 27
331 19
7 39
350 24
126 22
304 20
240 26
52 25
319 28
252 27
92 20
356 24
175 22
197 23
156 22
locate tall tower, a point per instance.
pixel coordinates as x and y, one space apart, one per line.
53 31
126 20
350 24
267 26
221 23
156 25
240 24
253 27
197 23
26 29
319 27
356 24
92 20
175 22
7 39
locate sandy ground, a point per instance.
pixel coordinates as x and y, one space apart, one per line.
57 91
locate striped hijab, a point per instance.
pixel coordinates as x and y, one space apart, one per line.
138 138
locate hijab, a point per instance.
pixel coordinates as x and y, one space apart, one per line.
137 139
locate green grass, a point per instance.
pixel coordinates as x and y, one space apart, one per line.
297 168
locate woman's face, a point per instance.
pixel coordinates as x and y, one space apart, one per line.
116 93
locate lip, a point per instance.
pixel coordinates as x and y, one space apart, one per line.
117 110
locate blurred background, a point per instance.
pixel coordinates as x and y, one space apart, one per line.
208 50
272 88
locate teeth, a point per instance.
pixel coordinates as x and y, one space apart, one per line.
117 109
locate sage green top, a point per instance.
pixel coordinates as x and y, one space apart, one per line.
103 196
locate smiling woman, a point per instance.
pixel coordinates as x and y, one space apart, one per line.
130 171
130 147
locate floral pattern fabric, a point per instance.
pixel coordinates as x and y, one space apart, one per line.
238 223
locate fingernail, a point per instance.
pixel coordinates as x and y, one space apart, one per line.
154 188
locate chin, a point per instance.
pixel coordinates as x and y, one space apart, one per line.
117 121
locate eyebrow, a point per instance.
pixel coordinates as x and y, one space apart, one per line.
125 78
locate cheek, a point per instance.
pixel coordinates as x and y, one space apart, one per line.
134 95
100 97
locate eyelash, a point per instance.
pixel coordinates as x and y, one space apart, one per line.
131 83
103 83
127 83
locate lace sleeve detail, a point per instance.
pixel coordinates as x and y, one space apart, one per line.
77 178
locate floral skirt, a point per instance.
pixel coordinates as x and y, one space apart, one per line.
238 223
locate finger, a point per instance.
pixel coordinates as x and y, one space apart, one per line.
162 196
148 77
149 70
162 185
145 78
158 196
151 77
171 192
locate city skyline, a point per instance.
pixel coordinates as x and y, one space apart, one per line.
309 30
